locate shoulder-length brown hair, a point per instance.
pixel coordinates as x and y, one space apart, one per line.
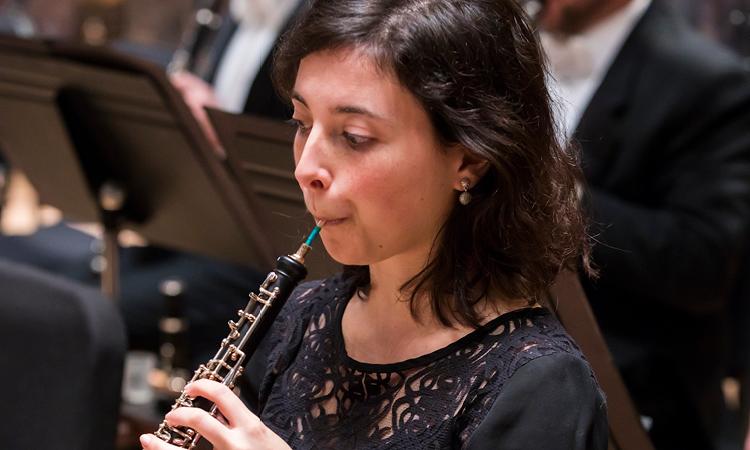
477 69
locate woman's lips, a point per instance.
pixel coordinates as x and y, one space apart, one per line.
330 222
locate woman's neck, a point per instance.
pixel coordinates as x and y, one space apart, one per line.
390 296
381 327
387 294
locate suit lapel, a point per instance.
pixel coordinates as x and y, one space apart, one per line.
262 91
601 129
220 44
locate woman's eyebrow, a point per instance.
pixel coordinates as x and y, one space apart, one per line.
343 109
351 109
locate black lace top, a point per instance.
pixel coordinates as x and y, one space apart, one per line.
518 382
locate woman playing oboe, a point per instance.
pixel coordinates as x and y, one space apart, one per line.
426 144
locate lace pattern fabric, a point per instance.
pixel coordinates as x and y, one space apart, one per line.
316 396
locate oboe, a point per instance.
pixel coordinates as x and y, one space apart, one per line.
244 336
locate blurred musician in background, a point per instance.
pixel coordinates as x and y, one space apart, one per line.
233 74
56 19
240 65
14 20
725 20
662 116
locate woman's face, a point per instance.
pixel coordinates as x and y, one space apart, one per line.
368 160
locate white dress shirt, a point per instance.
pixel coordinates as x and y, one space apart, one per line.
260 23
578 63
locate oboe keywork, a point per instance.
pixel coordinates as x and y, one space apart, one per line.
244 336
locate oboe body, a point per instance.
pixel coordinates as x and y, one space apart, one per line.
244 336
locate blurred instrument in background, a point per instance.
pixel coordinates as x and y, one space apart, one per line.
205 24
173 372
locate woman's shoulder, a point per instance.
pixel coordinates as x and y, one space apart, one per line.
279 346
309 300
311 294
556 393
540 372
304 303
531 344
528 334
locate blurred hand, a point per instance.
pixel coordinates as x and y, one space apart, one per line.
243 430
198 94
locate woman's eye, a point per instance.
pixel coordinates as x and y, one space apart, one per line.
356 141
301 127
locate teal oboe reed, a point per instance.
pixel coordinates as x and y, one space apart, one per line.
314 233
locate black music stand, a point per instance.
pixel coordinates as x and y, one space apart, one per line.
104 137
260 158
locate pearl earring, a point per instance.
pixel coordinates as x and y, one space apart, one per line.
465 197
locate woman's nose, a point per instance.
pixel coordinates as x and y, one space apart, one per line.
311 171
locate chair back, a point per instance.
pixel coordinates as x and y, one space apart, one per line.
61 352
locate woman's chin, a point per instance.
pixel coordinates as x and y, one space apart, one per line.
347 259
343 254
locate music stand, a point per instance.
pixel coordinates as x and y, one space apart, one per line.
104 137
260 158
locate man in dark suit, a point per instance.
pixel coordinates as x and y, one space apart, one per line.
663 122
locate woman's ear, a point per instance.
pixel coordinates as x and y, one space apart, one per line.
470 167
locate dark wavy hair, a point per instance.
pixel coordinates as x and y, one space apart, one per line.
477 69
